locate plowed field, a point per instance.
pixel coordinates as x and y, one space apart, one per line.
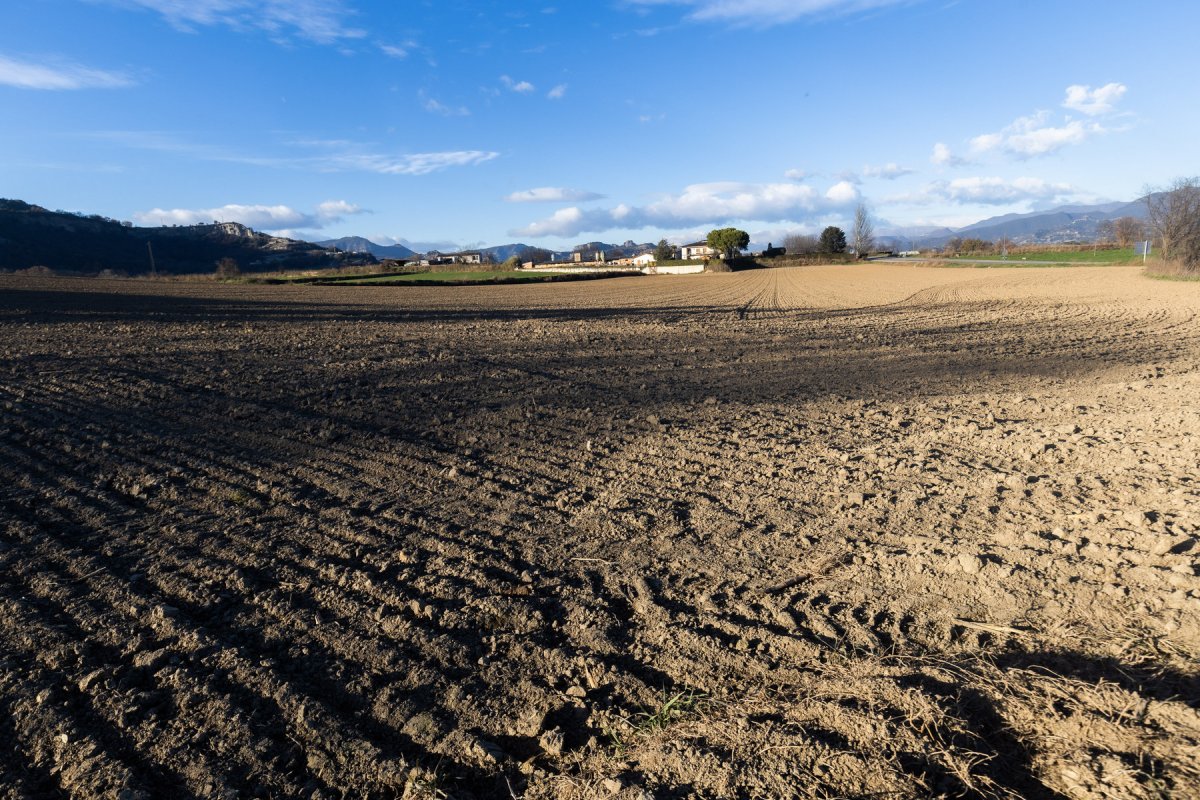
870 531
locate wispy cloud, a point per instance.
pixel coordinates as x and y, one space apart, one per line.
552 194
887 172
702 203
434 106
410 164
320 21
1094 102
332 156
520 87
57 76
769 12
558 92
259 217
986 191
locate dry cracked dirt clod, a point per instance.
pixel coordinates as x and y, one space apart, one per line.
853 531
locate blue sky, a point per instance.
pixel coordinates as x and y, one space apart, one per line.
459 123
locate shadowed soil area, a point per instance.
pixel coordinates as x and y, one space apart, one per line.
852 531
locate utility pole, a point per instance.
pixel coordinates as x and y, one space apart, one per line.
153 269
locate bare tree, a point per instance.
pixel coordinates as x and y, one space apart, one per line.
1128 230
1106 231
799 244
228 269
863 235
1175 220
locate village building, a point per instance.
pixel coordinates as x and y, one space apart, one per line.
696 250
435 259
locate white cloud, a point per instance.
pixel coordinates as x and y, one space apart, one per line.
260 217
1036 136
394 51
1094 102
320 21
999 190
795 174
701 204
769 12
567 222
57 77
944 157
1039 134
552 194
558 92
986 191
520 87
842 193
888 172
336 209
987 141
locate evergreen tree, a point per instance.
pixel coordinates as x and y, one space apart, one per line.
833 240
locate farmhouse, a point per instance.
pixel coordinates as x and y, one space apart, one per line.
435 258
696 250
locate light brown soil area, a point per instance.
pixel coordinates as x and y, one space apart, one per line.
870 531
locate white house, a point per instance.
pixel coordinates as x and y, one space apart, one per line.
466 257
696 250
644 260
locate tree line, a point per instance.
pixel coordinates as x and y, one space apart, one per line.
834 241
831 241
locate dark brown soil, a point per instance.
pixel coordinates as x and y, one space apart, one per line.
824 532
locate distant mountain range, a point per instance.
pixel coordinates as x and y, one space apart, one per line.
502 253
499 253
357 244
32 236
1069 223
